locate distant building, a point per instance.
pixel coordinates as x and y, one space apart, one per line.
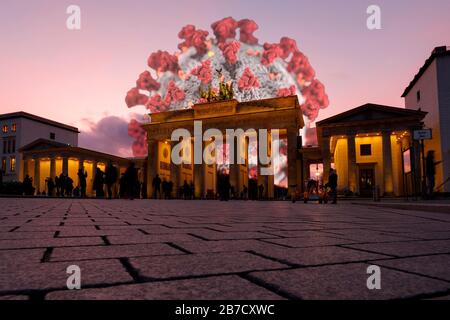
371 147
430 91
19 129
42 148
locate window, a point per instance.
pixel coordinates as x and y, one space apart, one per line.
5 128
13 145
3 164
14 127
9 146
365 149
52 136
12 164
5 146
418 96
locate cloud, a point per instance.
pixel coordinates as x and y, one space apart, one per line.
109 135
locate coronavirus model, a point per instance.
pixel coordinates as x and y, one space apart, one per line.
256 71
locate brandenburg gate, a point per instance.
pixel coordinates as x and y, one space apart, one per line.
283 114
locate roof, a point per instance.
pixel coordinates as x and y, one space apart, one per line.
223 108
372 108
43 145
29 116
437 52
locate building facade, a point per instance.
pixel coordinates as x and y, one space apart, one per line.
19 129
430 91
282 114
370 147
43 159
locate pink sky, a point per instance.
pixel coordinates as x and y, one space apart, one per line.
81 77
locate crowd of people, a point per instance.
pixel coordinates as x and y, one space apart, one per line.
104 184
163 189
130 187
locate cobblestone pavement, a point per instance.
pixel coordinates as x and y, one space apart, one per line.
146 249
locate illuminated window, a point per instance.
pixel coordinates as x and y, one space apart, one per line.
365 149
14 127
3 164
12 164
5 129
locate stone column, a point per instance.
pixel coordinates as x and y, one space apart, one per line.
52 167
246 165
261 179
270 179
326 159
94 170
235 167
174 172
37 176
65 165
152 165
80 167
292 134
352 167
387 164
306 173
416 168
81 164
199 177
25 167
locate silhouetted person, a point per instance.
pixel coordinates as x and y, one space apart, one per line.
156 184
57 186
164 188
50 186
251 188
62 184
223 183
132 180
76 192
169 189
332 184
430 172
261 191
82 179
110 178
28 185
144 191
69 186
186 190
137 188
244 192
99 181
